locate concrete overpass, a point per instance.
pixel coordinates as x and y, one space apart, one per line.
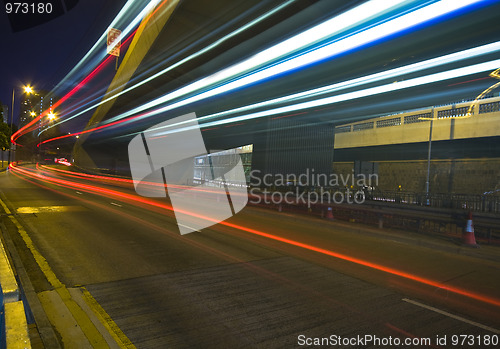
450 123
464 150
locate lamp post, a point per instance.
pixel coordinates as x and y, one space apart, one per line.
51 116
427 196
27 89
429 148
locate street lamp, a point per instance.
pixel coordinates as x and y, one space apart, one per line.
51 116
429 148
27 89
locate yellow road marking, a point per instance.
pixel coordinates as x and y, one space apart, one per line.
151 28
31 209
107 321
88 328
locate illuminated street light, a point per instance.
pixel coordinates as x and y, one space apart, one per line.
51 116
28 90
32 113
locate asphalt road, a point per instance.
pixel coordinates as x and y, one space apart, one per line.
233 286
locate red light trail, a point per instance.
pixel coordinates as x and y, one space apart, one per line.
134 198
29 127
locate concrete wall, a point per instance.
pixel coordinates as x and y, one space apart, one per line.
459 176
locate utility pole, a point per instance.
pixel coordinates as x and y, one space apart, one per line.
427 182
11 122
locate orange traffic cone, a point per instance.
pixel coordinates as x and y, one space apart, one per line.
329 213
468 237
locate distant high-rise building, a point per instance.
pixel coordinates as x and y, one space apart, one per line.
4 113
33 105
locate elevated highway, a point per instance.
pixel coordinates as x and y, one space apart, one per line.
463 154
450 123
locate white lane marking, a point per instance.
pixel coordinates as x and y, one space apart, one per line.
114 203
79 193
456 317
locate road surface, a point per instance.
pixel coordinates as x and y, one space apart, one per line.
263 279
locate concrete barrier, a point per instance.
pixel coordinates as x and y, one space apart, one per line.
16 327
8 283
13 324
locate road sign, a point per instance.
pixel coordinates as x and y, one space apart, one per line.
113 42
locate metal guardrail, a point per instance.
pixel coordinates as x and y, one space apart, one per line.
486 203
398 210
468 202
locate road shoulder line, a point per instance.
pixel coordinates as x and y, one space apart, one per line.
83 320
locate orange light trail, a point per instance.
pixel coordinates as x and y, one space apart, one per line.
358 261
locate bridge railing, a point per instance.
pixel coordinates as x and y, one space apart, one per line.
487 203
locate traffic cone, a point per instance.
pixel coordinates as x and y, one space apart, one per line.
329 213
468 237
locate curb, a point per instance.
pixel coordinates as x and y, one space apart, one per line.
12 314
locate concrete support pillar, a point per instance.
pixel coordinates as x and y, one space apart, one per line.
290 146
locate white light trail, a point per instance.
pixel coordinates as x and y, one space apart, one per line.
338 23
307 38
98 49
408 69
179 63
423 80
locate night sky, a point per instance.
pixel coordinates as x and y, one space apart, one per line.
43 55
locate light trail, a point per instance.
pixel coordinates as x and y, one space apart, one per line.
182 61
423 80
427 79
309 292
314 34
122 181
335 87
130 7
125 33
392 271
31 126
408 69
